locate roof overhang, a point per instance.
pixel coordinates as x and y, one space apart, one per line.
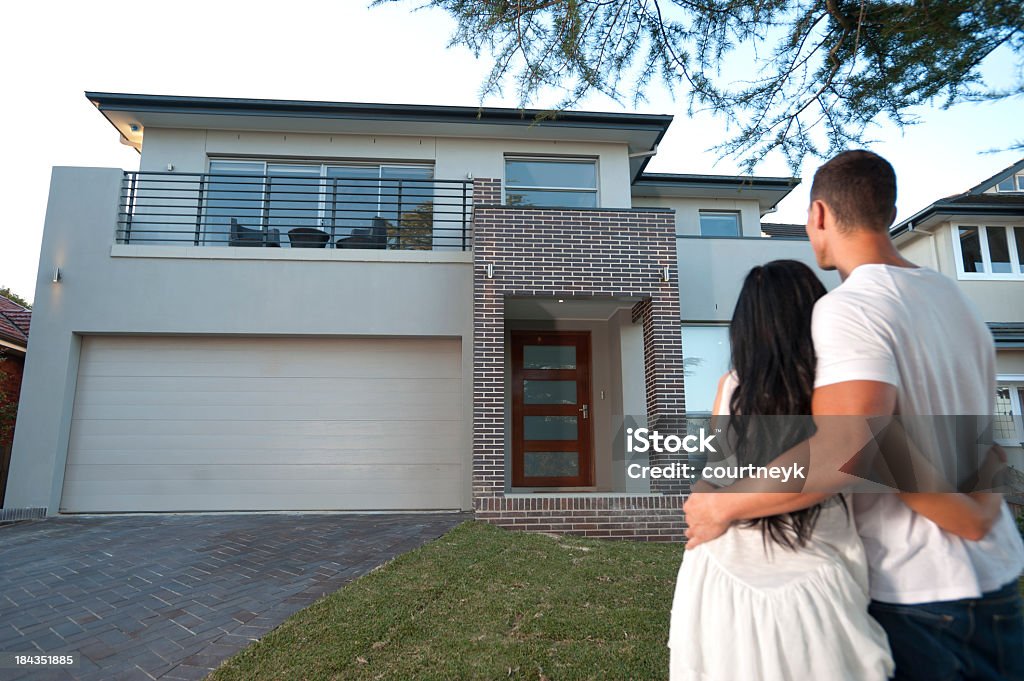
131 114
940 212
1007 335
767 191
16 345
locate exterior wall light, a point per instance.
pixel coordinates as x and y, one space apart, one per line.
57 276
490 270
666 275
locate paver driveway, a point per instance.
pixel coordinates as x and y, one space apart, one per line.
171 596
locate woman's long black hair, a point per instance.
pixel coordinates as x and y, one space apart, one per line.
773 358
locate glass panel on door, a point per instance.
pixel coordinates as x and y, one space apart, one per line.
406 202
354 207
293 204
549 392
233 201
549 427
551 464
549 357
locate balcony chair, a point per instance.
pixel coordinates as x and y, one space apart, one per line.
375 236
308 237
247 236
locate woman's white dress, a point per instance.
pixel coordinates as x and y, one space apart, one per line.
744 612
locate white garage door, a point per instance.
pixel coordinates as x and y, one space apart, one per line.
197 424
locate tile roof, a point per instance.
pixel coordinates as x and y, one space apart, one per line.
14 322
775 229
1010 205
986 199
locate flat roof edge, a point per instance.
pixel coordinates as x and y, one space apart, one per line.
112 101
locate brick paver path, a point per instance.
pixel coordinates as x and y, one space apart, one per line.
171 596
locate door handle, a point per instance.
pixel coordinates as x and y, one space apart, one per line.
586 410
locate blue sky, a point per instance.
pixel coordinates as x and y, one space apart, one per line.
342 51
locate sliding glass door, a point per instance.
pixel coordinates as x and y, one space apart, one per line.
320 205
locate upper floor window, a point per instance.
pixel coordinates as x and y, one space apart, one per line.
560 183
989 252
1014 183
719 223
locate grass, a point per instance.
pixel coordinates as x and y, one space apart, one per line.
484 603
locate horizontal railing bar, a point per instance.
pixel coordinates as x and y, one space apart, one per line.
310 197
220 204
286 212
273 215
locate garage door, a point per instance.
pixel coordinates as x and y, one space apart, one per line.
197 424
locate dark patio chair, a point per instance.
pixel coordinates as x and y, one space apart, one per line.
247 236
374 236
308 237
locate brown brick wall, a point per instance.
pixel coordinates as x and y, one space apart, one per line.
650 518
573 253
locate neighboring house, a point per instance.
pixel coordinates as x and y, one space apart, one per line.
977 238
333 306
14 326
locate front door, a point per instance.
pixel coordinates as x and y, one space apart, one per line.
551 409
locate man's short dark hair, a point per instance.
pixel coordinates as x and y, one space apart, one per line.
860 188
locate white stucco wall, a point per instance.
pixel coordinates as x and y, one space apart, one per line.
162 291
996 300
711 271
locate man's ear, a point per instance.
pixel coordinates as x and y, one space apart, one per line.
816 215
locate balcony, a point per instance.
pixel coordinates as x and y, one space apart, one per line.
283 211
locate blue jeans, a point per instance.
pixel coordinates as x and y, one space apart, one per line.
975 639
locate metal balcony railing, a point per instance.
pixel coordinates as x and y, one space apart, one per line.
294 211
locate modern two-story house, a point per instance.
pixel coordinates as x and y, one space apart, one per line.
977 238
351 307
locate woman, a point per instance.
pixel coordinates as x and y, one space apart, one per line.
782 598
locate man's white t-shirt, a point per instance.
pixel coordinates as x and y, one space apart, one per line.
914 329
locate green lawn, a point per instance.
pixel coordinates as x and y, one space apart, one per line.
484 603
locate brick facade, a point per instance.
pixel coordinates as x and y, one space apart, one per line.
547 252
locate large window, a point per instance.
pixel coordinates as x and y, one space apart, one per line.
357 205
719 223
1008 429
560 183
705 359
989 252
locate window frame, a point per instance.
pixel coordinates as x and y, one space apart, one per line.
1015 382
1017 182
715 211
1016 258
689 373
324 198
591 160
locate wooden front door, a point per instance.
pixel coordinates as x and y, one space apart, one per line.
551 409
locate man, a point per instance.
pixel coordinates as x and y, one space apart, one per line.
895 338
